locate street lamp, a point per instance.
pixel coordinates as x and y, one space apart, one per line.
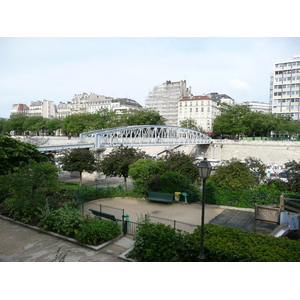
204 172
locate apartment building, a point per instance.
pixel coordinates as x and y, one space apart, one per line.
80 103
19 109
285 88
258 106
203 109
44 108
164 98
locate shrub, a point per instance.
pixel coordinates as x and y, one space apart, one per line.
65 220
93 231
158 242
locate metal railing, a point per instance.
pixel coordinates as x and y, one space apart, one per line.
174 223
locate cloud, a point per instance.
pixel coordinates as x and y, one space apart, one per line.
239 87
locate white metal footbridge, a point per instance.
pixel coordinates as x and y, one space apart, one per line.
139 135
144 135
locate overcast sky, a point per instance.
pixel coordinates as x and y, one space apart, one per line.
57 68
133 46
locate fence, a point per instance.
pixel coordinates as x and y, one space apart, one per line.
117 212
292 203
238 198
173 223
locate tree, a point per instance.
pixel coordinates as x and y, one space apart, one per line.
182 163
293 175
14 153
78 123
29 187
191 124
143 172
52 125
34 124
15 123
144 116
79 160
119 161
235 175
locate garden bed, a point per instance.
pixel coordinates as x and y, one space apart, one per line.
33 226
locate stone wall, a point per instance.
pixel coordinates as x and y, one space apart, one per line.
278 152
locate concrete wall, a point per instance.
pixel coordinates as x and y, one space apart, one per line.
278 152
269 152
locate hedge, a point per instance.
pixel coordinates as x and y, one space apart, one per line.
161 243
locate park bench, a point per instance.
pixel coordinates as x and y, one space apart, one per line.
160 197
104 215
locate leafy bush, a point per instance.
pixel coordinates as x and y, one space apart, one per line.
156 243
159 242
93 231
88 193
241 198
65 220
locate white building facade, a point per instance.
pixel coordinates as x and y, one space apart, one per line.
285 88
164 98
258 106
202 109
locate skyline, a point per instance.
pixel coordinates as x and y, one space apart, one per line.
55 69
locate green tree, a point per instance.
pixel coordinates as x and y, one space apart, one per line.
105 118
29 187
144 116
143 172
52 125
293 174
15 123
14 153
34 124
233 120
119 161
191 124
79 160
182 163
235 175
78 123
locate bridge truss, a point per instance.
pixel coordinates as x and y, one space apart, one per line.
144 135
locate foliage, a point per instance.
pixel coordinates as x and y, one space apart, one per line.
159 242
240 198
182 163
88 193
240 120
235 175
293 174
14 153
34 123
226 244
156 243
143 172
15 123
93 231
29 188
144 116
52 125
79 160
65 220
191 124
119 160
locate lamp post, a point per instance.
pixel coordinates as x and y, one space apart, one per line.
204 169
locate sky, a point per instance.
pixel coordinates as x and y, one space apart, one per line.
55 65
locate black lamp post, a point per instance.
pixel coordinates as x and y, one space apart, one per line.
204 172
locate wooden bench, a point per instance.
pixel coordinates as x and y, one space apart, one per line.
267 214
160 197
104 215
